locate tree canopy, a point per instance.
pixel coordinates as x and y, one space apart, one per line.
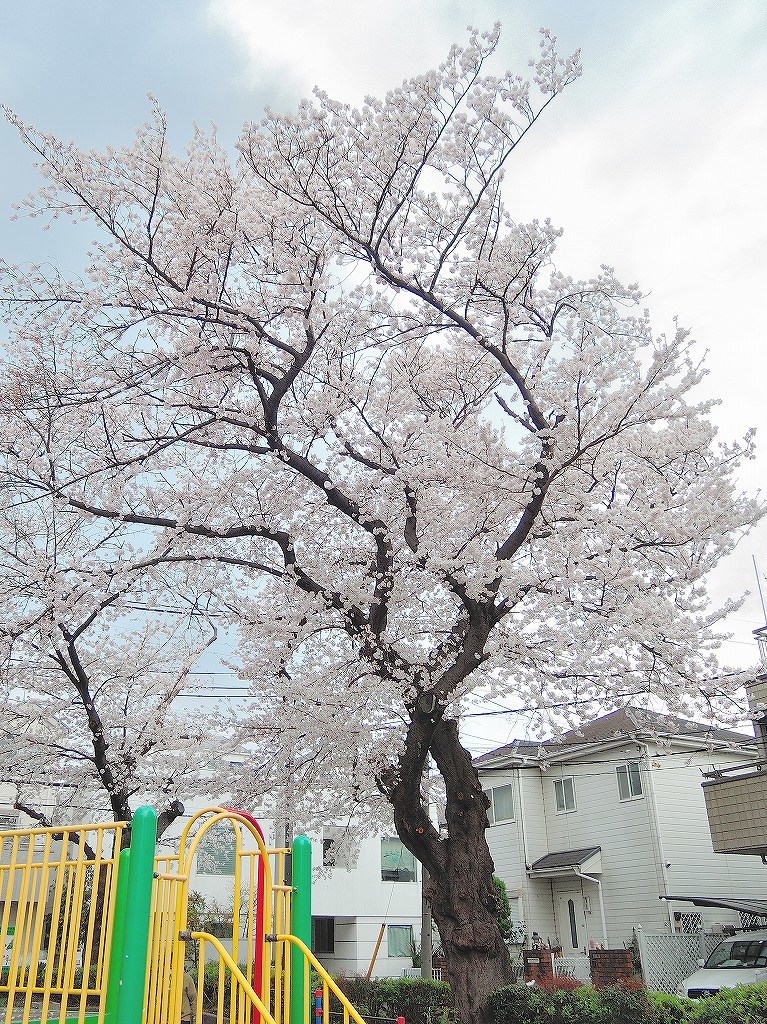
425 462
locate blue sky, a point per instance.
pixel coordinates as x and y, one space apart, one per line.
654 162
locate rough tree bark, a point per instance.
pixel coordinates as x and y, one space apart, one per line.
460 888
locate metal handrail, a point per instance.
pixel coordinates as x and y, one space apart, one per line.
750 767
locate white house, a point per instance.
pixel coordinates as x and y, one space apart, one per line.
589 831
354 897
358 895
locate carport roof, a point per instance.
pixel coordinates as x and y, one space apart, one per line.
744 906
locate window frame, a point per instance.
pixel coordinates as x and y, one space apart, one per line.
492 816
401 873
560 787
336 852
218 857
409 941
624 774
324 935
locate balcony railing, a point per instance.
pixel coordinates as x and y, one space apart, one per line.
736 804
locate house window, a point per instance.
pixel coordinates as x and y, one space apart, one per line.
217 853
399 940
323 935
501 804
629 781
397 863
573 923
220 925
564 793
336 847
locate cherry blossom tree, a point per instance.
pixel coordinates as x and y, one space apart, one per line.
89 667
432 464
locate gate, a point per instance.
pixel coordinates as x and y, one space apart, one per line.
124 915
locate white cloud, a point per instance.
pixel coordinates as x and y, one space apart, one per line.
350 49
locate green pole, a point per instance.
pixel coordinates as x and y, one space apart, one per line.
301 927
138 906
118 937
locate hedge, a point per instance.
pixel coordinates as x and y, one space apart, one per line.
624 1004
418 1000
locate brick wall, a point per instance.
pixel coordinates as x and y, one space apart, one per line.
609 966
537 964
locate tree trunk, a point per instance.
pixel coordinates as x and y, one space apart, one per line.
460 887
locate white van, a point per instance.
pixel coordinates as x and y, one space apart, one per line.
739 960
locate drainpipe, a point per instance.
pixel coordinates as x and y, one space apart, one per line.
598 883
524 880
655 827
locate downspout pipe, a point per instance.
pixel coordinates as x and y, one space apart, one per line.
654 821
598 883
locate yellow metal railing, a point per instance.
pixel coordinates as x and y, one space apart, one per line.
61 910
56 913
326 983
235 998
251 919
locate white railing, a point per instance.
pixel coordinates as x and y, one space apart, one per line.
415 972
577 967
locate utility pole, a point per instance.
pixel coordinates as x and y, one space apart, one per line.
426 922
426 948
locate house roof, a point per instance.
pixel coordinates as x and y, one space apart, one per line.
565 858
618 725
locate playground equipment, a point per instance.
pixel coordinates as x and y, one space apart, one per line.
96 935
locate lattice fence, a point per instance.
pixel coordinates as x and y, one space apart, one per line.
577 967
668 959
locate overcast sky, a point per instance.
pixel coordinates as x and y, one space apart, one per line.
653 162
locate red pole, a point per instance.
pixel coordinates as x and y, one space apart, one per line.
260 938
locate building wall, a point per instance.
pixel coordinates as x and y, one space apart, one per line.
514 845
357 898
694 868
664 825
365 902
631 875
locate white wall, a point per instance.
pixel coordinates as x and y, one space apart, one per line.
656 843
358 899
694 867
360 894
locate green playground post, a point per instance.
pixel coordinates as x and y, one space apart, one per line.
301 927
136 907
118 938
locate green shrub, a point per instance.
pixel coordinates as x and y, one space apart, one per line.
668 1009
617 1004
518 1004
746 1004
624 1004
418 1000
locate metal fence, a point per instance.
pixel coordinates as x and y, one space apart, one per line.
57 890
668 959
